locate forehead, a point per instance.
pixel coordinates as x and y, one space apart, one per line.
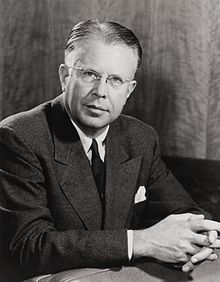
105 58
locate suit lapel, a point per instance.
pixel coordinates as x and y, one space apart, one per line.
74 171
121 179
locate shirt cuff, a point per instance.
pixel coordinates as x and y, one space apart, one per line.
130 243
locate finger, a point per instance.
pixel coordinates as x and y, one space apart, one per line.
196 216
216 244
193 249
205 225
188 267
200 239
186 216
212 236
202 255
212 257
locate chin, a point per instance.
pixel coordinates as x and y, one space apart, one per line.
94 122
97 125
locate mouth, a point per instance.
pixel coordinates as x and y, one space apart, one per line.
96 108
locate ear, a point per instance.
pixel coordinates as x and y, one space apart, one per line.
63 74
131 87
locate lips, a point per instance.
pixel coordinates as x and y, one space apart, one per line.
98 108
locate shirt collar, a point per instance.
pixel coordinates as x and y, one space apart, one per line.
87 141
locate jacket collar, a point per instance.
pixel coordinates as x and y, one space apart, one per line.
121 177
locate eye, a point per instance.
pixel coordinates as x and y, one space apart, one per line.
89 75
115 80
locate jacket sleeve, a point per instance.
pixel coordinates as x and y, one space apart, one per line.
165 194
33 241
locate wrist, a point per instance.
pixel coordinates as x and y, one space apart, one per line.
142 245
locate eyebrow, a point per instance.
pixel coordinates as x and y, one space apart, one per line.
109 75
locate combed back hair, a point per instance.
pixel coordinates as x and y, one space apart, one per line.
108 32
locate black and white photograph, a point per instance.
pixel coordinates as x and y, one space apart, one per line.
109 140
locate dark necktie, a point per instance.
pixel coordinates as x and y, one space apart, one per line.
98 169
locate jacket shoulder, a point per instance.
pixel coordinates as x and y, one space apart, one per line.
30 126
26 118
137 128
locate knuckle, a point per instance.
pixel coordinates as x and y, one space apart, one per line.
184 258
192 250
181 256
178 255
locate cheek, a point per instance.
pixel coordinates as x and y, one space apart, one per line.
74 92
118 101
72 87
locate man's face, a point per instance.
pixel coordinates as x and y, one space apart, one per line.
94 105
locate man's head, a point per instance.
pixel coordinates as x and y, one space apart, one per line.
98 75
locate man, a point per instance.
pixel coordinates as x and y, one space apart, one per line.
83 185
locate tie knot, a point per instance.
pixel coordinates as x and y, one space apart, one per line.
94 147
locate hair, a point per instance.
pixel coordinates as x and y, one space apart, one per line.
108 32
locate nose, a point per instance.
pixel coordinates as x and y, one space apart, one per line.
101 89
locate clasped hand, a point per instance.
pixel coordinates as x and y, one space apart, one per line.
185 238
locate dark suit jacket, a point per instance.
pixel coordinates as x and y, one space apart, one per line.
49 201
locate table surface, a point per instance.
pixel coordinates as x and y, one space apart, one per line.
146 271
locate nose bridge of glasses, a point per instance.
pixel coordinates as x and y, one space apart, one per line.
103 81
103 77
